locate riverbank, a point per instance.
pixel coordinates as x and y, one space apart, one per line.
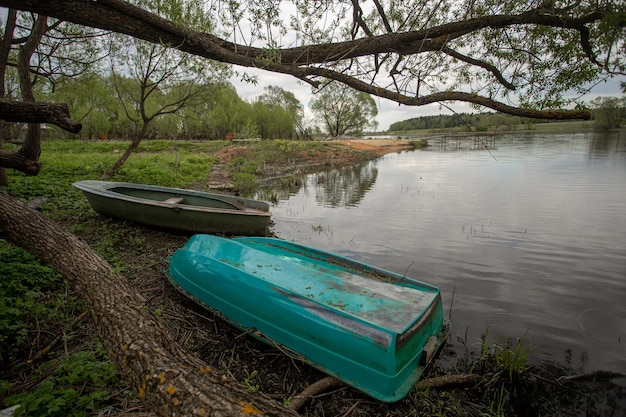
379 146
60 361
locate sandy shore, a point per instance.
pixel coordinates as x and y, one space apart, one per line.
380 146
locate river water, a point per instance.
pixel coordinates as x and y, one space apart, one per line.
524 239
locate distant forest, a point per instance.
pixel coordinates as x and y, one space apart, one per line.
606 112
476 122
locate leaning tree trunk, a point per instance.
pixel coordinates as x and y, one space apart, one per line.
122 159
131 148
169 380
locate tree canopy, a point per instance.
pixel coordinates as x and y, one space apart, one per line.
519 57
342 110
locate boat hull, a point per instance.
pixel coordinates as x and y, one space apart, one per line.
178 209
370 328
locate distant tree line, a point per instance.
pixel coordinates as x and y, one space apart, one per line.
607 113
110 107
477 122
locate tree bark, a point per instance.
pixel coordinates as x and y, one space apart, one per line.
5 49
55 113
170 381
26 159
31 148
16 160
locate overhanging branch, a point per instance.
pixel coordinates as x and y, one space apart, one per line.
30 112
123 17
105 14
25 160
450 96
479 63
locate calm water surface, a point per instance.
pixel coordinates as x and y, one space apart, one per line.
530 237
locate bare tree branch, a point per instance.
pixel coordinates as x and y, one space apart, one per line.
492 69
449 96
357 20
383 16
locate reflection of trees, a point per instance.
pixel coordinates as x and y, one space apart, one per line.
608 144
337 187
344 186
281 188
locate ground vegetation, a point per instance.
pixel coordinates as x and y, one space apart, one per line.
54 361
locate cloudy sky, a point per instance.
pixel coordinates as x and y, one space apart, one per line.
388 111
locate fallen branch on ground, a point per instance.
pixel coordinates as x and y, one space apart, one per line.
591 376
328 383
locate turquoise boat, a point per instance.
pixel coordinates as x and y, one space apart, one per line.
177 208
373 329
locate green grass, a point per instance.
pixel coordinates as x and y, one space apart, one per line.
159 162
166 163
40 316
30 294
40 323
79 384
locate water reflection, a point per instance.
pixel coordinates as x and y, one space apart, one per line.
529 239
337 187
344 186
610 143
477 142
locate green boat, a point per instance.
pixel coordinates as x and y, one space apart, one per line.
371 328
178 209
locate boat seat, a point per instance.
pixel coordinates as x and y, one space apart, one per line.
174 200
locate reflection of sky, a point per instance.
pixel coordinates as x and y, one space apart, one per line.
531 240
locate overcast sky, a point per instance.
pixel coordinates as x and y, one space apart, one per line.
388 111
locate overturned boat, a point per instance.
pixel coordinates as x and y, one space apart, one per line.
371 328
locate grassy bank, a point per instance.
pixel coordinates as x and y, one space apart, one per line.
53 364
